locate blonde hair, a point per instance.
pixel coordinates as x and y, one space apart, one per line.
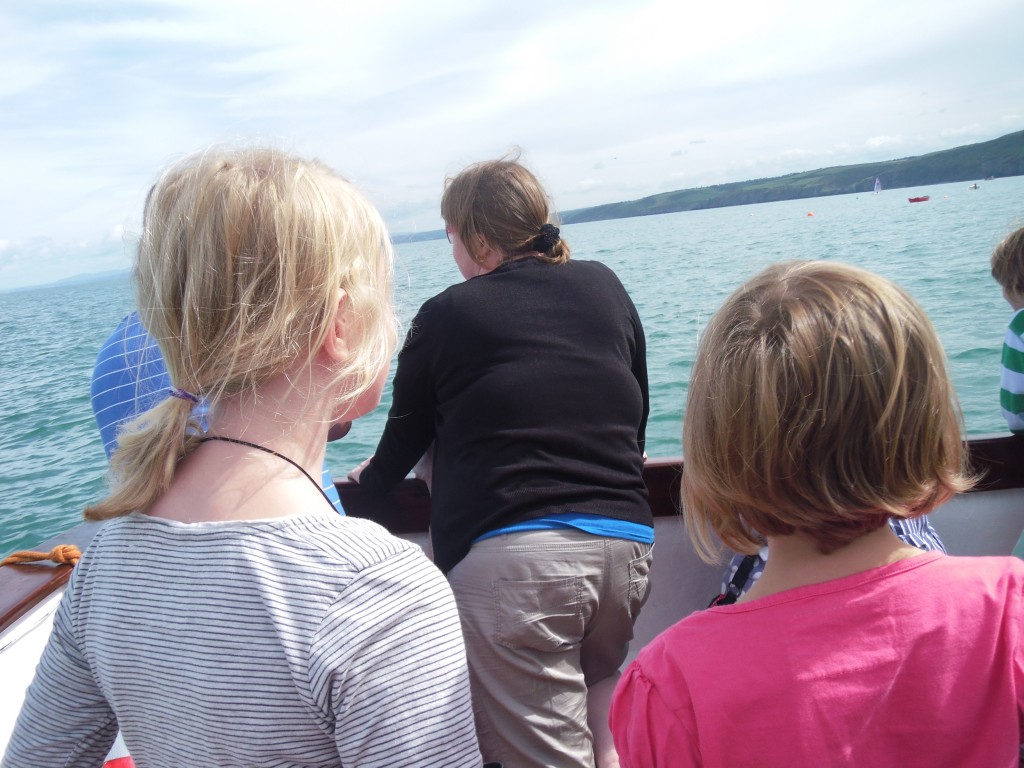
1008 263
818 403
506 204
242 255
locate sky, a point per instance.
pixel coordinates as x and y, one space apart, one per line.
607 100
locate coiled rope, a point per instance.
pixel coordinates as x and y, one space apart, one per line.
62 554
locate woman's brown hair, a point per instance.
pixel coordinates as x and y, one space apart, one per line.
503 202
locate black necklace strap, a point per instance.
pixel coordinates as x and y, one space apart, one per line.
272 452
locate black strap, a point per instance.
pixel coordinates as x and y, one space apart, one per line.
271 451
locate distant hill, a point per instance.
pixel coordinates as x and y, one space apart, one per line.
415 237
80 279
94 277
1000 157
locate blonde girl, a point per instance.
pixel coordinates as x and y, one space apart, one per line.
226 614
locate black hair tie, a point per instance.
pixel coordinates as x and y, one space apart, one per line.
547 238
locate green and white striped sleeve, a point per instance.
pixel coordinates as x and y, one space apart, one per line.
1011 380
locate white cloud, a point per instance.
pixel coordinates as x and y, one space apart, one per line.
878 142
601 95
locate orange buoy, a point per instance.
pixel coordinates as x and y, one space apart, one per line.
810 213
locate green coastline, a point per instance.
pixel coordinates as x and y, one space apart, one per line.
972 162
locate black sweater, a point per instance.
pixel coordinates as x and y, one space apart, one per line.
531 381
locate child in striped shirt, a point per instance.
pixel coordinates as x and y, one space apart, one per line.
225 614
1008 271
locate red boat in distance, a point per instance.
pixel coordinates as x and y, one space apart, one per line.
922 199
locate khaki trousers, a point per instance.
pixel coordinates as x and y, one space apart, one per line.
545 615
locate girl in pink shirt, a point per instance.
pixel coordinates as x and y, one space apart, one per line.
819 407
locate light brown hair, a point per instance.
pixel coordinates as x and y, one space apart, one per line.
502 201
1008 263
238 271
819 403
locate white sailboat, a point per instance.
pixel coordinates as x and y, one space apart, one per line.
878 185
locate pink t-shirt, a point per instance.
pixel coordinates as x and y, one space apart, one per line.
915 663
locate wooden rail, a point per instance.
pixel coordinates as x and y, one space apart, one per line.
999 460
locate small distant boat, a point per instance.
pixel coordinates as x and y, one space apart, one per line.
922 199
973 186
878 185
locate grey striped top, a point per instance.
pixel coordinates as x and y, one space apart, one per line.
311 640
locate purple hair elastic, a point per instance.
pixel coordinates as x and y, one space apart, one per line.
182 394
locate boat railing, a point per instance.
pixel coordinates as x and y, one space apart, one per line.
997 459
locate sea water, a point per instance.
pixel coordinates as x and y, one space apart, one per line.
677 267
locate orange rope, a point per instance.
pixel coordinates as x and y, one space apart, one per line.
62 554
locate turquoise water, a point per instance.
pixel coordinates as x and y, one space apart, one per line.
678 268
